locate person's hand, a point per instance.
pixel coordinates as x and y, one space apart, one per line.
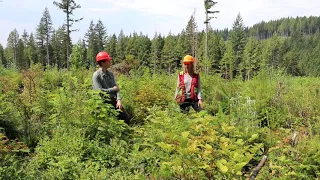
115 88
200 103
119 105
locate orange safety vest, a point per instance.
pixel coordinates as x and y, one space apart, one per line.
194 84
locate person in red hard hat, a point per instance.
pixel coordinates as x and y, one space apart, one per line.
189 84
104 80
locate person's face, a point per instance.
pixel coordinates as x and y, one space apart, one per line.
188 66
106 64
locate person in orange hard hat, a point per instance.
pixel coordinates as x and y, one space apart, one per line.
104 80
189 85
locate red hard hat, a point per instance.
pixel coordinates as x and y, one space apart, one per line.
103 56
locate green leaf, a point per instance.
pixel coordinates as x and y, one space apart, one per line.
226 128
205 166
165 146
221 166
25 150
282 159
239 142
223 161
185 134
167 163
239 166
208 147
177 162
253 137
101 128
183 151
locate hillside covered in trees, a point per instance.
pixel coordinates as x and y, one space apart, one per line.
290 44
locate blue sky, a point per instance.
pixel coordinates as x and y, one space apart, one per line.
147 16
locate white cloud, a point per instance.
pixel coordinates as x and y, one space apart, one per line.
176 8
166 15
104 10
177 13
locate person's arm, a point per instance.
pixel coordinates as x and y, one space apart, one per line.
177 89
199 88
97 84
118 92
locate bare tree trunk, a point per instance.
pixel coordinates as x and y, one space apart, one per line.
258 168
15 57
48 59
47 43
154 62
92 63
68 39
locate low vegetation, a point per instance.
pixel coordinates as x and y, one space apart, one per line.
54 126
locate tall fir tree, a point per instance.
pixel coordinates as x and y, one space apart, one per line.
12 46
101 35
273 53
46 29
238 39
144 49
3 61
311 67
250 63
214 53
121 47
181 49
21 62
92 43
156 49
222 47
291 63
168 52
228 61
216 48
41 39
60 44
201 50
132 48
111 46
25 40
68 7
25 37
54 46
191 33
78 55
32 55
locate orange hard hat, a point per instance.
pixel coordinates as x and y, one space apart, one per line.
101 56
188 59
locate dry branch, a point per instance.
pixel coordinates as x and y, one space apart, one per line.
258 168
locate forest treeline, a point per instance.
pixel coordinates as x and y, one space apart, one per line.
289 44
